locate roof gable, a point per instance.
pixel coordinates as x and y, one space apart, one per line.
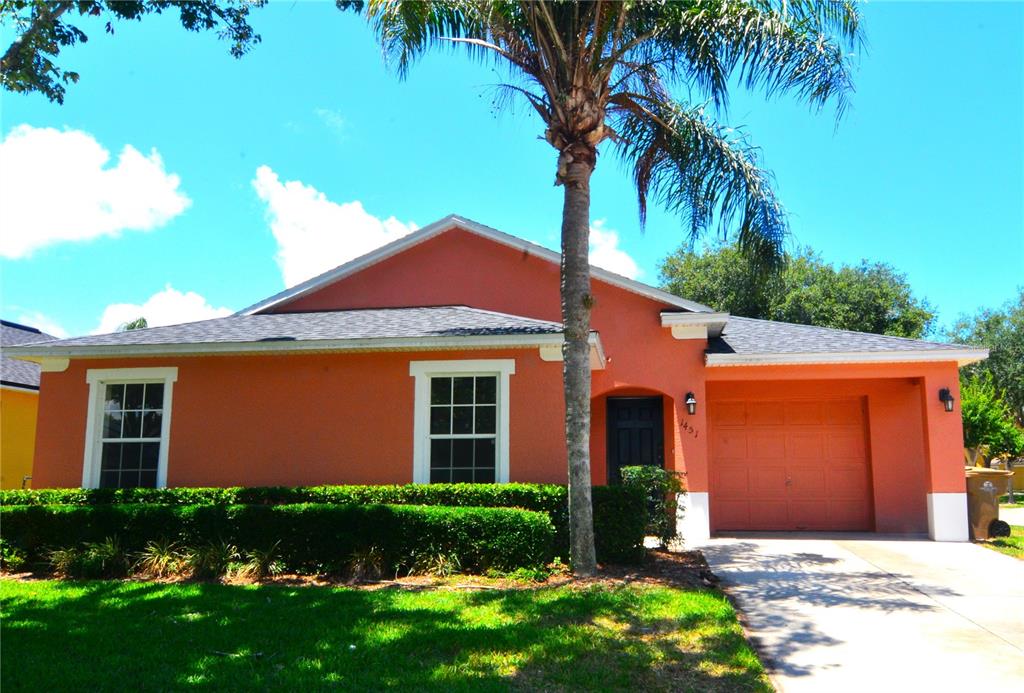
449 223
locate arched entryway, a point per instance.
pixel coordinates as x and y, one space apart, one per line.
630 426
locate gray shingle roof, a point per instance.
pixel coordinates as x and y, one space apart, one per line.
13 371
384 323
747 336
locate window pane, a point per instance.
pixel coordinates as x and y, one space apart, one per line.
440 476
132 424
463 391
486 390
133 396
147 478
150 456
129 480
485 419
130 456
440 390
154 398
112 425
109 479
484 453
462 420
462 476
483 476
462 452
440 420
114 398
151 421
440 453
111 459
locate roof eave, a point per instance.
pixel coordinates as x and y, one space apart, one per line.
455 221
516 341
962 357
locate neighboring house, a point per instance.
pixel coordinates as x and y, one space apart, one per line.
19 403
437 358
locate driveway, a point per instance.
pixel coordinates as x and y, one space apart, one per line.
867 613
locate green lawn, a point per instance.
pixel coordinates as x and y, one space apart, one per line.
1012 545
138 635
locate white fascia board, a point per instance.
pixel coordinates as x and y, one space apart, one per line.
688 325
30 389
455 221
525 341
961 356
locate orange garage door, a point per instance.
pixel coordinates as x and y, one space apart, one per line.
790 464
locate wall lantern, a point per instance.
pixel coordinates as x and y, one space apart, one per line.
691 403
946 398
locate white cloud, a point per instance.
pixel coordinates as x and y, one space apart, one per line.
167 307
332 120
314 234
57 186
606 253
42 322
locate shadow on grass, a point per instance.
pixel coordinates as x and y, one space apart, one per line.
111 635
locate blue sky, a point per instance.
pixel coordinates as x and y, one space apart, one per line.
926 171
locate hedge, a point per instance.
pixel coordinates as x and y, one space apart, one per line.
313 537
619 512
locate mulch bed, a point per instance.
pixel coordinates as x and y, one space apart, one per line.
686 569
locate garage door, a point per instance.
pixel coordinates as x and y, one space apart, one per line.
789 465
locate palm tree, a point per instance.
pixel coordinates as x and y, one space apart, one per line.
606 71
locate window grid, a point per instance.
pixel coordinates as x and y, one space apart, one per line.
131 434
463 429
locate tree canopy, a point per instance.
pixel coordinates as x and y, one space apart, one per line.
30 63
867 297
988 420
1002 331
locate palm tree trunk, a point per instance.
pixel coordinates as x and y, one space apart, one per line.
576 305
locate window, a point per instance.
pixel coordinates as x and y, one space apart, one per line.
461 424
129 424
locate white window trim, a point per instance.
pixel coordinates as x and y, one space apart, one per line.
98 378
423 371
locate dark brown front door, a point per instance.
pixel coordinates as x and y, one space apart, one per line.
635 434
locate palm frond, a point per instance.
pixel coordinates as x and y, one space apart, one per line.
706 173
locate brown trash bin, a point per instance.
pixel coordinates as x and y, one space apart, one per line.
984 486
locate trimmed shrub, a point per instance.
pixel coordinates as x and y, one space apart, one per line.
307 538
619 512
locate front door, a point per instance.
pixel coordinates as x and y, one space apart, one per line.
635 434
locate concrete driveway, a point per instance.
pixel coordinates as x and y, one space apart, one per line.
864 613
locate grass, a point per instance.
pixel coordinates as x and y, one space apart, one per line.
144 635
1012 545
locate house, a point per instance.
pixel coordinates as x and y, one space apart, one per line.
19 404
436 358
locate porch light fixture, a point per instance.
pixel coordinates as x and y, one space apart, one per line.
691 403
946 398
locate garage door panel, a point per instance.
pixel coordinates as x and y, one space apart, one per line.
809 514
768 514
732 514
807 482
729 414
767 445
847 482
808 445
765 414
732 481
729 444
792 464
767 482
849 412
804 413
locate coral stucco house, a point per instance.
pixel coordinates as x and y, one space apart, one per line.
437 358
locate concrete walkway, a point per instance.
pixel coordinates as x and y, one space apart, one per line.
864 613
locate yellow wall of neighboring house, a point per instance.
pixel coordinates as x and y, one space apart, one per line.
18 409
